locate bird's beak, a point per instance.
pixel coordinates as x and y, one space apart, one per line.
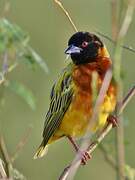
73 49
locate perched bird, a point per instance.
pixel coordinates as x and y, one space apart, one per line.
71 99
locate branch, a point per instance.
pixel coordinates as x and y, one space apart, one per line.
67 14
6 9
129 48
21 144
7 160
108 157
2 75
7 172
94 145
2 171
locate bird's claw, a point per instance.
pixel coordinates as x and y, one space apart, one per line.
113 120
85 156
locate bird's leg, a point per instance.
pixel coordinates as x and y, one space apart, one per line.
85 155
113 120
75 145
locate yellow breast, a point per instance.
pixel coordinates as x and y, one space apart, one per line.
78 116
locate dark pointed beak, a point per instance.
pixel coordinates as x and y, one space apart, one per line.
73 49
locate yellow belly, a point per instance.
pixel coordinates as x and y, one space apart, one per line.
78 116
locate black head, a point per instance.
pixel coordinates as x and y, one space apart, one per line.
83 47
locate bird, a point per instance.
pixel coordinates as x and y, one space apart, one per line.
71 97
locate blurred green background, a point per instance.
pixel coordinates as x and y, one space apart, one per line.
49 31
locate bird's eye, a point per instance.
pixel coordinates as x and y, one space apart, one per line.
84 44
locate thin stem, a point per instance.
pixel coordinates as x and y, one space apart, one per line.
21 144
117 69
128 98
6 9
2 171
108 157
67 14
119 133
6 157
129 48
114 7
11 68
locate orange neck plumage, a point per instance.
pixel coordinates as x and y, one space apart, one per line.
82 74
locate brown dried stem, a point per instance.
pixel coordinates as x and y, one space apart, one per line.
67 14
114 7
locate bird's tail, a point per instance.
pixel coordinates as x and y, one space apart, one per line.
41 151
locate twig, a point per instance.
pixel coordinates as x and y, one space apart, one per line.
21 144
129 48
128 98
7 160
114 17
119 131
2 171
6 9
67 14
108 157
6 172
11 68
94 145
129 171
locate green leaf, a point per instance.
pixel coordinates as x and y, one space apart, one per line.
29 62
23 92
36 57
12 37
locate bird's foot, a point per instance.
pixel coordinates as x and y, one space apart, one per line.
113 120
85 156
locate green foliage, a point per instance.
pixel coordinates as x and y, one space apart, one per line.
15 42
11 36
23 92
15 48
